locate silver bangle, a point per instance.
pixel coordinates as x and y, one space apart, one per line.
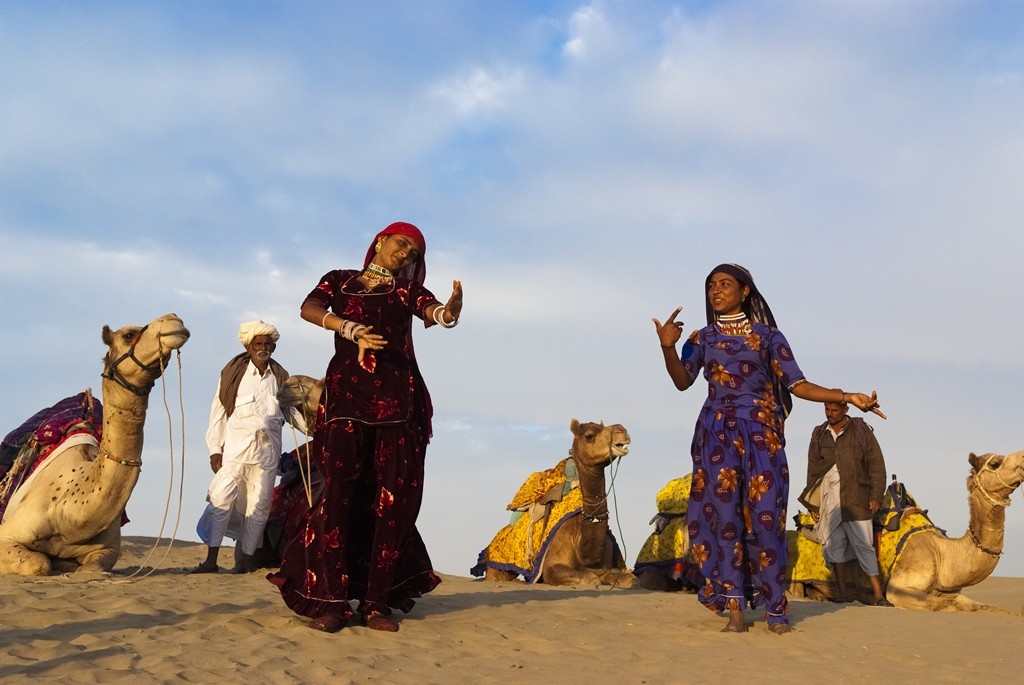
439 318
349 329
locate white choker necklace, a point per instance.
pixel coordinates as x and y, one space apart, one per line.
734 324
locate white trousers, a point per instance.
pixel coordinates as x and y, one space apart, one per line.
239 504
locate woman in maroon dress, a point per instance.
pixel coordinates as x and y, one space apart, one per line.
359 539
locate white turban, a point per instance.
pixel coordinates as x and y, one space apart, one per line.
250 329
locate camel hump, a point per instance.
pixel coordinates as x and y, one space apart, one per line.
540 483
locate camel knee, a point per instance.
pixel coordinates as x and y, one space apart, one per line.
496 575
15 558
617 577
97 562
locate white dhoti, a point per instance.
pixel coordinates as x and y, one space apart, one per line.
843 541
239 504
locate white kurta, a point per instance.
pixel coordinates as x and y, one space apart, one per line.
240 493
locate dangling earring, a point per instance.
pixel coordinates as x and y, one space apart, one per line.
380 241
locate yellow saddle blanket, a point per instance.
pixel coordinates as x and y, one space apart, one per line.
669 543
543 503
538 485
520 546
892 543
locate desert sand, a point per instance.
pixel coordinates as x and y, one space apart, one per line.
165 626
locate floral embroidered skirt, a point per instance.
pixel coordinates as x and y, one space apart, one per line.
736 517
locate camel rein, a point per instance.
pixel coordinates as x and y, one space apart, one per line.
305 468
597 518
159 365
992 499
113 373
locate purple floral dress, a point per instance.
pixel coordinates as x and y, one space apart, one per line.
737 512
359 540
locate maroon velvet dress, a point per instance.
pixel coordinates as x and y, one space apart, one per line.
359 540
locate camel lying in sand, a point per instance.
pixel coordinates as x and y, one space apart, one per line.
67 515
562 536
921 567
933 568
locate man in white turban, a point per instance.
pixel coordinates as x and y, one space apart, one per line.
244 441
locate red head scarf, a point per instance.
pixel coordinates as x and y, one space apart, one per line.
417 271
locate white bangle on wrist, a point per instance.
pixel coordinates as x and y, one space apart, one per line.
439 318
350 329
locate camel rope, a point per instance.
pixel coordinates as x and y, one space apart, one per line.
305 473
616 462
170 484
618 519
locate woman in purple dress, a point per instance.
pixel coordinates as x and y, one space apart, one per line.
359 540
736 518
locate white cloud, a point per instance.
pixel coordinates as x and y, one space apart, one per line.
480 90
589 33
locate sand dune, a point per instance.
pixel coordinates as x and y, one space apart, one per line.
171 627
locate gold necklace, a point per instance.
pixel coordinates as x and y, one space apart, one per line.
375 275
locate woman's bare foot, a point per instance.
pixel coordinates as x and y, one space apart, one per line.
780 628
736 623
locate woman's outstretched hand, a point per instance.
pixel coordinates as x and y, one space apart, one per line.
368 340
453 308
670 331
866 403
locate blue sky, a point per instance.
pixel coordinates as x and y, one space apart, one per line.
580 166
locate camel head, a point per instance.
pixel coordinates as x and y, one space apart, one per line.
136 355
996 476
596 444
302 393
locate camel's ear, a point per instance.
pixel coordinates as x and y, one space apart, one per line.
574 426
992 460
108 336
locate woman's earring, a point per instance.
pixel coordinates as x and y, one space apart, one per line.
380 241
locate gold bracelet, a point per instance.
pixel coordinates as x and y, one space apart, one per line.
323 322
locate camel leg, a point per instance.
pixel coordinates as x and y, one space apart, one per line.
498 576
619 577
97 555
909 598
564 574
964 603
17 558
105 550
